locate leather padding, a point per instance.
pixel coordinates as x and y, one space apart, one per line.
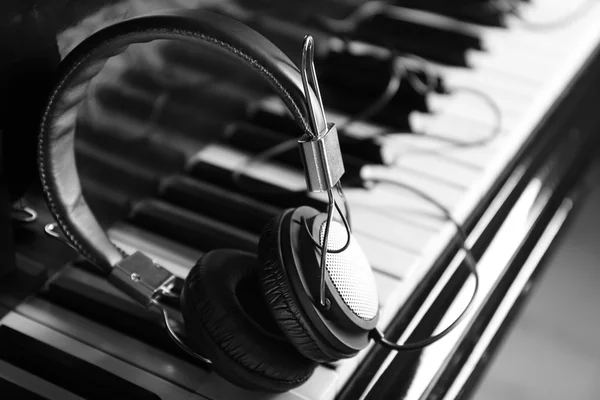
56 152
282 302
242 351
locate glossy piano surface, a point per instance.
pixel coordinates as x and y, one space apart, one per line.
168 124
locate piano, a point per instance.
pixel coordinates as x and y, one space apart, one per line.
495 117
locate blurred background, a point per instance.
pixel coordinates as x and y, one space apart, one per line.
552 351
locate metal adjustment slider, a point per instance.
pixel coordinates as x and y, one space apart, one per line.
146 282
320 151
140 278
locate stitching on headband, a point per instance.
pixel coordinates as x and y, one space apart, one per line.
60 88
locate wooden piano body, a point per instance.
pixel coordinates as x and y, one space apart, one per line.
76 337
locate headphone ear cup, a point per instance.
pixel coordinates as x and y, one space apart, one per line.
227 321
283 304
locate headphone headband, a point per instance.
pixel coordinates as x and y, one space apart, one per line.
56 144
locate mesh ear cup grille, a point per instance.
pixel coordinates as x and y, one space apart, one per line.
351 273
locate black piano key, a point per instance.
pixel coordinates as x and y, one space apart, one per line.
368 77
85 265
109 205
425 34
223 204
193 229
430 29
347 101
277 122
145 152
140 105
255 139
117 98
302 9
124 176
437 83
362 149
11 390
486 13
252 187
206 96
383 31
96 162
88 293
65 370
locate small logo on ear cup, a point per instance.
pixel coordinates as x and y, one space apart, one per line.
350 272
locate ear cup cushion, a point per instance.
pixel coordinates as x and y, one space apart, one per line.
283 305
237 338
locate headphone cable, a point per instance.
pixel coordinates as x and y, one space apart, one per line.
469 260
566 20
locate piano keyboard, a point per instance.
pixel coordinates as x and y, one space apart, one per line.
186 204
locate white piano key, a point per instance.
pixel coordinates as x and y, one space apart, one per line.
440 167
390 231
508 63
487 137
411 208
511 104
391 247
496 36
394 232
474 157
532 64
488 81
491 77
509 41
173 256
448 195
397 205
34 383
391 260
458 129
233 159
472 107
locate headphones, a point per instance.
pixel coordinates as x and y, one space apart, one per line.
263 322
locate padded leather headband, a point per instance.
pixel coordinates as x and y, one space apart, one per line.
56 151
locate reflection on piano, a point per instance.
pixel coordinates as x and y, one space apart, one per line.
168 124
